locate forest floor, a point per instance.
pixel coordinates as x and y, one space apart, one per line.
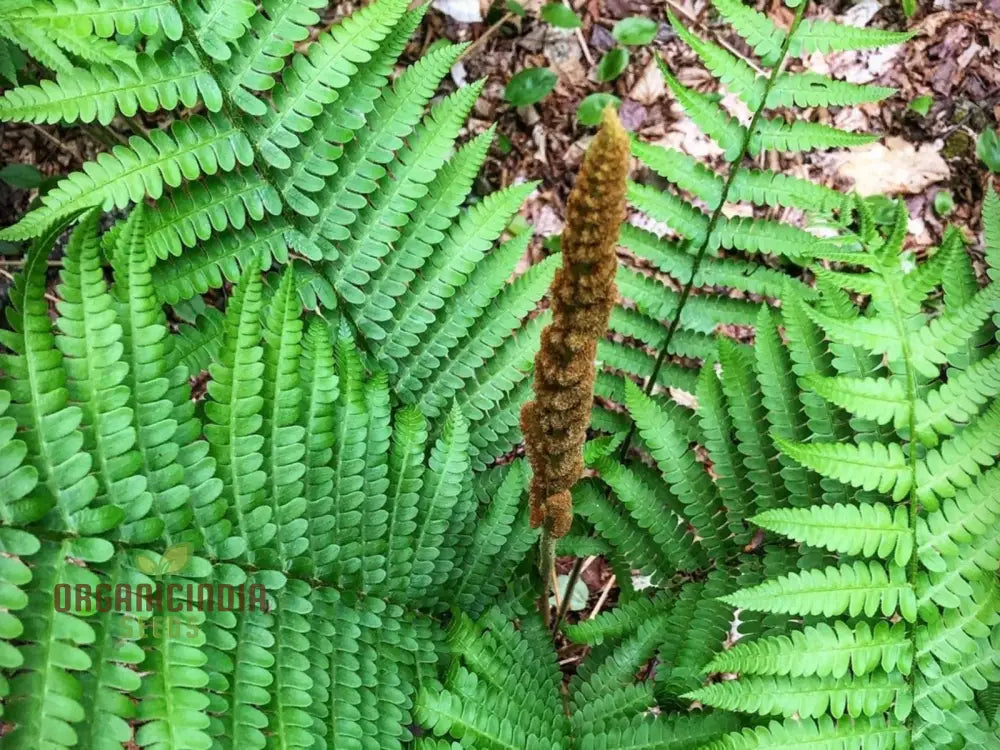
954 59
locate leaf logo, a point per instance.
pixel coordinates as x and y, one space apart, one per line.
173 560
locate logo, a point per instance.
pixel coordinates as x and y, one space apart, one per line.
173 601
173 560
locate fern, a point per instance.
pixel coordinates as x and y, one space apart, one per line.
312 153
698 245
504 693
931 560
292 472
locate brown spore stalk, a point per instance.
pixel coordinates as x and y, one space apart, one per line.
582 295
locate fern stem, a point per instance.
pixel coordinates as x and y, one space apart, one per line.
661 356
546 569
911 396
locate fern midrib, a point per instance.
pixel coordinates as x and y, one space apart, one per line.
142 445
312 416
240 636
240 500
168 692
273 413
102 645
911 395
277 687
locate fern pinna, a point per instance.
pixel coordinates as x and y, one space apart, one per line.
707 242
314 158
292 473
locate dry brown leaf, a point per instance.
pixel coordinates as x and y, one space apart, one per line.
893 167
650 87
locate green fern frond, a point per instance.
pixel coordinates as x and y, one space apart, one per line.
686 478
799 135
272 37
711 118
814 90
98 94
35 377
865 530
869 466
824 734
766 39
35 42
321 131
991 231
43 701
103 18
192 148
853 589
215 23
814 35
808 697
91 344
956 463
302 456
19 478
823 651
880 399
189 217
198 343
970 514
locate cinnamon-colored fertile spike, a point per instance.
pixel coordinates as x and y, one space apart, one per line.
583 293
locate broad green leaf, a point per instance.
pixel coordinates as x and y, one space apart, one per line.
530 86
590 109
612 64
635 31
560 16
